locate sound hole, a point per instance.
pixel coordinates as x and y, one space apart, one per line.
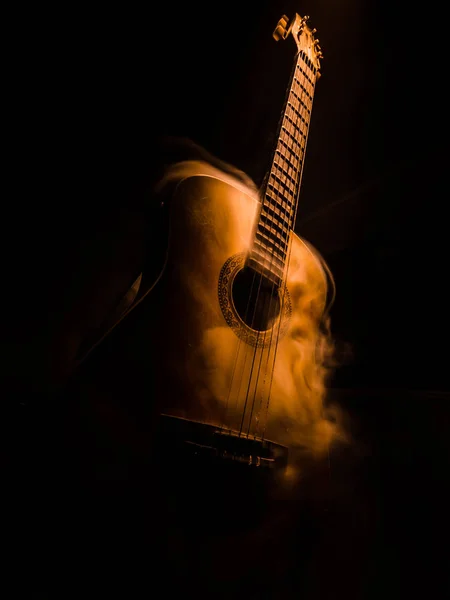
256 299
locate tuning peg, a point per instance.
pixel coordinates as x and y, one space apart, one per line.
281 31
314 31
316 42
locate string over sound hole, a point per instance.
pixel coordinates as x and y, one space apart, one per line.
256 299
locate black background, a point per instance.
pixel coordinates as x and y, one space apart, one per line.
94 95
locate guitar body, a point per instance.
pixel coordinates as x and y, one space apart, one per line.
178 352
210 363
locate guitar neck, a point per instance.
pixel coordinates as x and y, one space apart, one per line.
281 189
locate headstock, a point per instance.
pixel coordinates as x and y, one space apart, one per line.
303 36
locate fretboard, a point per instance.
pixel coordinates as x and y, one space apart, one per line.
269 251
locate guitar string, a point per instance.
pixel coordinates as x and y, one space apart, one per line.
294 219
244 363
277 190
261 277
290 172
307 67
232 380
239 345
284 297
287 245
238 348
301 117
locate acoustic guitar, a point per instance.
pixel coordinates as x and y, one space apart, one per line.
233 334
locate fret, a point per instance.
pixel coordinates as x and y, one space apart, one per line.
270 225
281 169
284 158
283 207
290 126
294 124
294 93
280 201
271 269
286 131
287 135
274 217
276 190
285 140
284 213
286 185
267 261
273 243
307 88
287 167
297 114
303 88
303 72
276 233
303 58
272 272
306 85
283 143
270 250
298 105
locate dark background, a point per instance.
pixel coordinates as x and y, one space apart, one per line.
94 98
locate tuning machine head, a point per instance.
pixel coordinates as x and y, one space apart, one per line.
318 49
282 29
